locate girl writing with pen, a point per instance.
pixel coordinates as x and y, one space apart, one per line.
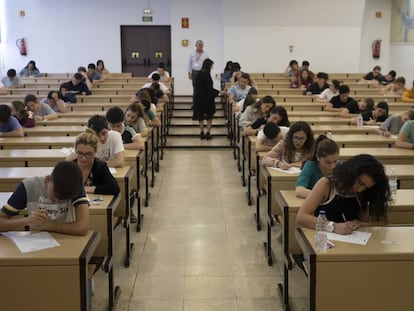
357 190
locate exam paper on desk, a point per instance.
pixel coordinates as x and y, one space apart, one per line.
356 237
27 241
291 170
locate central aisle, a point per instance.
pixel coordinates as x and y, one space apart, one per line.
198 249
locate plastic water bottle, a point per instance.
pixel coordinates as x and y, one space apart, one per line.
359 120
392 182
321 232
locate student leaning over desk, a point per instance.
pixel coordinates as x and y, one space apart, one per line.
55 202
325 159
292 151
357 190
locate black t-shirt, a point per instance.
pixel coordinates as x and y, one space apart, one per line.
353 107
315 89
370 76
336 101
258 123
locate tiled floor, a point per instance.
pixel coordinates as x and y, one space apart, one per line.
198 249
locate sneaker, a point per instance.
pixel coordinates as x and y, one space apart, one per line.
208 136
202 135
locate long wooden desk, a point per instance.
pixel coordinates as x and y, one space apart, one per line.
101 219
275 180
40 142
401 212
378 276
11 176
51 278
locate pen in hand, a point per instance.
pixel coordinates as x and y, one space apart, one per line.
343 217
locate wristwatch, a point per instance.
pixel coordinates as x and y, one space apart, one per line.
330 226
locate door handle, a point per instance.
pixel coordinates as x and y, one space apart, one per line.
168 61
149 62
124 61
145 62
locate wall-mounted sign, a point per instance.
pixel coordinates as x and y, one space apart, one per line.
134 54
158 54
184 42
147 18
185 22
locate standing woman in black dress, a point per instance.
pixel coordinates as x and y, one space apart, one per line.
204 95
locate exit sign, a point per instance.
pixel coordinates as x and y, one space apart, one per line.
147 18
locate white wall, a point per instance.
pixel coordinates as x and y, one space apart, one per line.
334 35
374 28
63 36
205 24
402 61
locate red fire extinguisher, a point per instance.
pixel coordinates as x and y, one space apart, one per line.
376 48
21 45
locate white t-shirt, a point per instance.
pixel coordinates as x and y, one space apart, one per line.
327 94
112 146
271 142
163 78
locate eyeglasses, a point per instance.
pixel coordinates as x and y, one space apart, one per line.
86 155
299 139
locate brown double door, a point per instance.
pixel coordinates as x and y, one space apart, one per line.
144 47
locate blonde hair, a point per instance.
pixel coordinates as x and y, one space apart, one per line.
88 137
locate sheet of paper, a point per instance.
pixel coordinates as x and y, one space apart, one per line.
356 237
292 170
112 170
371 126
27 241
394 136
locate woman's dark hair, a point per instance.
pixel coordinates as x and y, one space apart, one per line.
136 108
324 147
376 198
100 62
97 123
50 94
308 79
249 100
21 110
281 111
265 100
228 66
235 67
207 64
32 62
289 152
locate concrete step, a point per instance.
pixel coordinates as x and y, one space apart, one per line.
196 142
195 131
189 114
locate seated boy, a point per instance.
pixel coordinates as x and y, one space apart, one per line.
56 202
40 110
110 147
269 136
130 138
9 125
371 117
11 80
353 109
